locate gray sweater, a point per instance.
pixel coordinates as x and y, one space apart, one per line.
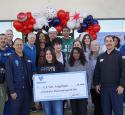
78 67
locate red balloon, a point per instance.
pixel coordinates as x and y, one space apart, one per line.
61 14
67 16
87 31
30 27
22 17
32 21
63 23
26 32
27 22
58 28
90 28
17 25
96 28
29 15
94 36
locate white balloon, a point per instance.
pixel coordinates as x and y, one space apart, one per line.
50 12
77 24
40 22
71 24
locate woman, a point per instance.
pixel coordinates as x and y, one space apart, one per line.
41 40
57 45
51 65
86 41
78 43
77 62
117 42
92 62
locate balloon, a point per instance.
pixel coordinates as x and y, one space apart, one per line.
50 12
61 14
71 24
89 17
30 27
29 15
22 17
26 32
94 36
32 21
56 21
87 31
50 22
96 28
63 23
80 30
58 28
90 28
95 21
77 24
67 16
84 25
18 26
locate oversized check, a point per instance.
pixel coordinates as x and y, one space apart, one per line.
60 86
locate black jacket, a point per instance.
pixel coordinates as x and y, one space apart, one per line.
110 69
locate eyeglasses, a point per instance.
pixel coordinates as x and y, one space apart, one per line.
18 44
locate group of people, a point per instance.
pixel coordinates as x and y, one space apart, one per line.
47 53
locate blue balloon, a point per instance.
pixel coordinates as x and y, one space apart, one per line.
84 25
95 21
89 17
50 22
56 21
80 30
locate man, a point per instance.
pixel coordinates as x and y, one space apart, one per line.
18 75
67 42
109 78
30 49
3 57
9 36
52 33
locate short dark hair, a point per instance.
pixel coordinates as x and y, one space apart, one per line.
2 34
111 36
82 56
17 39
66 28
57 41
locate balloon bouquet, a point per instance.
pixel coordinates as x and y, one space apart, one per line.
90 25
24 22
28 22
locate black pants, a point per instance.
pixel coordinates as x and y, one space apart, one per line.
96 99
79 106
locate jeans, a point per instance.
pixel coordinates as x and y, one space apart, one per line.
53 107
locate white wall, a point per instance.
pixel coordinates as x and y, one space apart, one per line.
98 8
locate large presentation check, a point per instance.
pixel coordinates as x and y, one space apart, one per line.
60 86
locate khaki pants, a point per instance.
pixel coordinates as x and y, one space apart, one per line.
2 98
